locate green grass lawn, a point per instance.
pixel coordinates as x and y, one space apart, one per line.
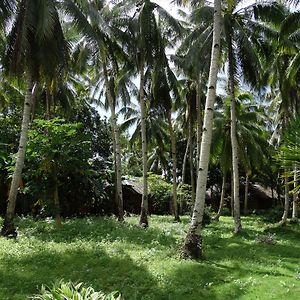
144 264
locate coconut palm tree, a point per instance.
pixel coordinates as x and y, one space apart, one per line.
283 70
33 49
240 53
96 21
147 30
288 156
251 138
193 242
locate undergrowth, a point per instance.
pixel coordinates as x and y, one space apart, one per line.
144 264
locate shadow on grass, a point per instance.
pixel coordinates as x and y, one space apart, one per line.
224 273
95 229
20 277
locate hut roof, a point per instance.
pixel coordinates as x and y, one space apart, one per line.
267 192
135 184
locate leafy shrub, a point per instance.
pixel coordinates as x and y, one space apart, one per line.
226 211
71 291
160 193
206 216
274 214
184 195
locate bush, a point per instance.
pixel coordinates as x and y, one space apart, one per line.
274 214
160 193
206 216
71 291
184 195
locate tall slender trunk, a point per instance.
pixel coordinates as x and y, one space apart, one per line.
184 164
199 119
295 200
231 195
186 153
217 217
234 143
246 195
191 155
192 246
8 226
144 206
116 144
174 167
286 200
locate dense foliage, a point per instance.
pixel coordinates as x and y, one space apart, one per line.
202 105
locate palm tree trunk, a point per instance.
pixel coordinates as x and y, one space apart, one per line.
186 153
8 226
234 143
191 155
192 246
116 144
217 217
246 195
199 120
295 199
174 168
286 200
144 206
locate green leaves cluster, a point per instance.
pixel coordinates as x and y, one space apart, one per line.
71 291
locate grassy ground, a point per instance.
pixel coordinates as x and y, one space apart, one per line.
143 264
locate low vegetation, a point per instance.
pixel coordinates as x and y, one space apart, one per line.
144 264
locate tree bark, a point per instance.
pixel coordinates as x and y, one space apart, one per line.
217 217
199 119
144 206
246 195
186 153
116 144
191 154
192 246
234 143
295 200
8 226
174 168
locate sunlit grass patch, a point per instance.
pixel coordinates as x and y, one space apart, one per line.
144 264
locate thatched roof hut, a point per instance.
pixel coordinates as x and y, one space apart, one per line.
132 195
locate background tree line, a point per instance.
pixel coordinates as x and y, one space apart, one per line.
61 58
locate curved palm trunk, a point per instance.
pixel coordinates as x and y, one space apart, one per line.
144 206
234 143
116 145
217 217
192 246
174 168
295 200
8 226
